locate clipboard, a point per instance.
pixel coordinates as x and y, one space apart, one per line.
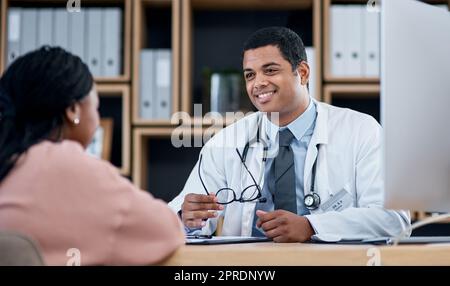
224 240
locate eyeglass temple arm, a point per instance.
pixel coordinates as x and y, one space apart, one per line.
201 180
245 166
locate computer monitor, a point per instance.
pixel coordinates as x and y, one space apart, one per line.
415 105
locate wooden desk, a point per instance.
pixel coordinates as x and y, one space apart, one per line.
275 254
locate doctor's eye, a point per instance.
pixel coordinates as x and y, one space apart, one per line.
271 71
249 76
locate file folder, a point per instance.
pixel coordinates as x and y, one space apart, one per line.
77 34
353 27
310 54
61 28
28 30
163 83
111 41
337 40
146 84
371 58
14 34
45 27
94 40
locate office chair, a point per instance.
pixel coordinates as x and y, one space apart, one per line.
18 250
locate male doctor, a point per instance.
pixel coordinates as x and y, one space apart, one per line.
297 167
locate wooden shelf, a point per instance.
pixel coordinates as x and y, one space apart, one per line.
347 80
360 97
141 39
122 92
126 30
350 90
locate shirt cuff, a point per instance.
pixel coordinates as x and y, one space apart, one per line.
314 222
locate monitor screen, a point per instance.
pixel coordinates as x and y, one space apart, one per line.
415 105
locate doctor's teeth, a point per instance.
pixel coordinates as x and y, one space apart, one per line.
263 95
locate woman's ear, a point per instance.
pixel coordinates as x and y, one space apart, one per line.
73 114
303 71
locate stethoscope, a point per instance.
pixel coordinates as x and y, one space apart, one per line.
311 200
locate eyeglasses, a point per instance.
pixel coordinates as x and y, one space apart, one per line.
228 195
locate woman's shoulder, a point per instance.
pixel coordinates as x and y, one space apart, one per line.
63 154
66 149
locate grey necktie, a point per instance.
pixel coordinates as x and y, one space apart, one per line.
284 174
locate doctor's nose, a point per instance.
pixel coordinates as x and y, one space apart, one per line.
260 83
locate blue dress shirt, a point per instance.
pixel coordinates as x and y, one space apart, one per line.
302 128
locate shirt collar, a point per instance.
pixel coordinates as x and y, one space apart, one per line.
298 127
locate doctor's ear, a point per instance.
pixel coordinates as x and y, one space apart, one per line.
303 71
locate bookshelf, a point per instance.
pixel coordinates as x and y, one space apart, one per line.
156 25
125 32
115 104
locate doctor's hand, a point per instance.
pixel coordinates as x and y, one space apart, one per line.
284 226
196 209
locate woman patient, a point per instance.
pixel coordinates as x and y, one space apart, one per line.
54 192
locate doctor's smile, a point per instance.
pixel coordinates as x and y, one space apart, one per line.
265 97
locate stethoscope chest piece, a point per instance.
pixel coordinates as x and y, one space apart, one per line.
312 201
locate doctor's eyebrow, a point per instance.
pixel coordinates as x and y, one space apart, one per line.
271 64
264 66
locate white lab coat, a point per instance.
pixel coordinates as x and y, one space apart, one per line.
349 158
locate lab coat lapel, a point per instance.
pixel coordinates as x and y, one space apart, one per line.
319 137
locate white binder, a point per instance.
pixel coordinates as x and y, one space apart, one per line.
14 34
353 50
45 27
94 40
337 40
310 53
28 30
146 84
61 28
111 41
163 83
371 59
77 34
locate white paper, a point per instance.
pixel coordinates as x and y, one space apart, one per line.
14 27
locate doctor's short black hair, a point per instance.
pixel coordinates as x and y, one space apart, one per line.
288 42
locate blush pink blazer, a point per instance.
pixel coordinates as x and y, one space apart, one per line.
64 199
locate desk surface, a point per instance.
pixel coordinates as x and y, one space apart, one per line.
297 254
